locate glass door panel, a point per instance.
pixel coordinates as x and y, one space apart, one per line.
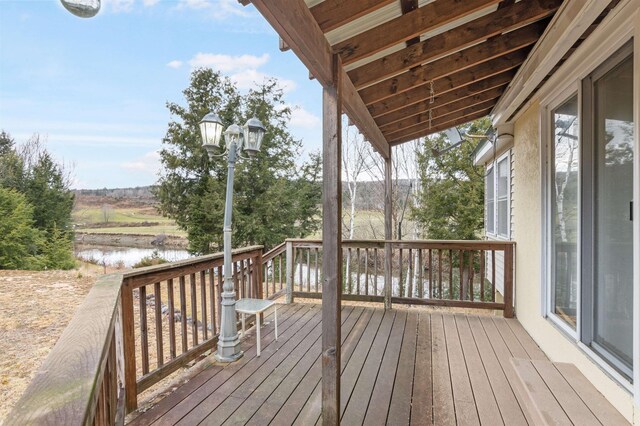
613 140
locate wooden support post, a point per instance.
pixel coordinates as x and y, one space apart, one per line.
290 272
508 281
332 246
388 225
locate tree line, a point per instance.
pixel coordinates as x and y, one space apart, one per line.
35 208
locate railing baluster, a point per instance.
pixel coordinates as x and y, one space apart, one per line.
300 269
493 275
203 304
279 271
235 279
420 275
450 274
440 274
461 280
158 312
194 311
212 301
316 266
172 319
309 270
472 258
410 275
219 295
144 343
366 271
430 260
183 314
358 270
400 282
242 279
482 298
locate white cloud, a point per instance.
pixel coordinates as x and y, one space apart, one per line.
300 117
119 5
175 64
217 9
150 2
228 63
242 69
148 163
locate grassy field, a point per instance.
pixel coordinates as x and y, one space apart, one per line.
84 215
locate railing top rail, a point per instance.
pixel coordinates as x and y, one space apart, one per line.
280 248
187 262
495 243
64 388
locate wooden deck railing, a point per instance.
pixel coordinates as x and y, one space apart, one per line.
444 273
136 328
133 330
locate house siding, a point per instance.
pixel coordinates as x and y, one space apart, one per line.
527 219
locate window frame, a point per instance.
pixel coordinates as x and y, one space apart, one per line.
493 166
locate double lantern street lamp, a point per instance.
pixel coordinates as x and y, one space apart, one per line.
236 138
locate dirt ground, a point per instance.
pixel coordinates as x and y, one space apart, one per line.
35 307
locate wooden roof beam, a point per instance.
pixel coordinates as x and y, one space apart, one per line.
500 21
440 111
439 127
296 25
448 81
473 89
483 52
406 27
331 14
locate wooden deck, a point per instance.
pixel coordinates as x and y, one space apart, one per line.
403 366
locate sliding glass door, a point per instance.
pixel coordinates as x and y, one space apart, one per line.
607 270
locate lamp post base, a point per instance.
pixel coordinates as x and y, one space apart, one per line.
229 351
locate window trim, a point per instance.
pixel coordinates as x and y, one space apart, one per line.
548 125
490 170
493 165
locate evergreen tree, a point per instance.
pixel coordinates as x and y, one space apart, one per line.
191 189
451 195
20 241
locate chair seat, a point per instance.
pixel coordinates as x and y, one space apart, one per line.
253 306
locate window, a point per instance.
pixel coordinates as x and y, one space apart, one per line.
589 223
502 193
497 196
565 160
490 200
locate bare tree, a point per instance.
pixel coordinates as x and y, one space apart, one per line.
107 211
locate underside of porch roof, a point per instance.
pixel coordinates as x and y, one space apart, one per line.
409 68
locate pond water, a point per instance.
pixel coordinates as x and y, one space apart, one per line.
127 256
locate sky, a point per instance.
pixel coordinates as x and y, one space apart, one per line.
96 89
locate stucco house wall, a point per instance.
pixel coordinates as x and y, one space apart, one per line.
527 218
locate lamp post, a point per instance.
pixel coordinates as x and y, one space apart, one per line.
236 138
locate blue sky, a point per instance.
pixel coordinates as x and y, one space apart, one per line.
96 89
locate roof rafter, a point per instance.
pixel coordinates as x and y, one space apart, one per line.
424 126
331 14
449 80
500 21
500 80
442 110
406 27
439 127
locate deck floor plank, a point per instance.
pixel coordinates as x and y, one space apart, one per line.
422 398
485 400
358 402
378 407
217 390
400 407
401 366
288 317
463 398
310 413
507 403
443 408
297 363
295 391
